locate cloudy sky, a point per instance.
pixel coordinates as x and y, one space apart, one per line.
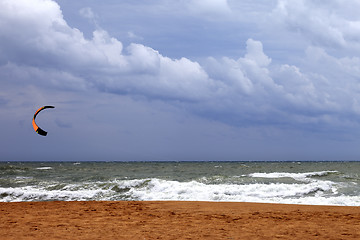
180 80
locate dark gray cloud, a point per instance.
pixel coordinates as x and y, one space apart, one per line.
254 90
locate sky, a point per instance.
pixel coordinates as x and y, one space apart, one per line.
208 80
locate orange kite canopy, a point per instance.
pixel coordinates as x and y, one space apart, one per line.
36 127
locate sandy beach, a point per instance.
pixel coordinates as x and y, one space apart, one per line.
176 220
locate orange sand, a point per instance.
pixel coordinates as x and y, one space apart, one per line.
176 220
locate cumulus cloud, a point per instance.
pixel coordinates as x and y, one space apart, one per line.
37 43
333 24
52 43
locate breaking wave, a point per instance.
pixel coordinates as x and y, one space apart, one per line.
316 192
235 182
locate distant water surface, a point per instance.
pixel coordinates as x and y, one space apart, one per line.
313 183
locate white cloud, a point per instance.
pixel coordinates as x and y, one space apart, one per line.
255 53
87 13
334 24
246 75
133 36
43 48
311 91
105 46
56 45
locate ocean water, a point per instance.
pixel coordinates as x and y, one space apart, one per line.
312 183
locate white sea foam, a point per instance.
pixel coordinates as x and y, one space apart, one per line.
257 182
316 200
313 193
158 189
29 193
44 168
297 176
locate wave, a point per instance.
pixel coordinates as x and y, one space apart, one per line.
12 170
296 176
44 168
160 189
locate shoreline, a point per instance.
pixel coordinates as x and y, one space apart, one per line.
176 220
179 201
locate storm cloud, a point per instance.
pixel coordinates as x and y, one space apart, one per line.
314 87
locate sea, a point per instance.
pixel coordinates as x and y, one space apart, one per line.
310 183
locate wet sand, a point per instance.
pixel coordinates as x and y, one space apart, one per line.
176 220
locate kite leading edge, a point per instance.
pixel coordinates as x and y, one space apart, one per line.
36 127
